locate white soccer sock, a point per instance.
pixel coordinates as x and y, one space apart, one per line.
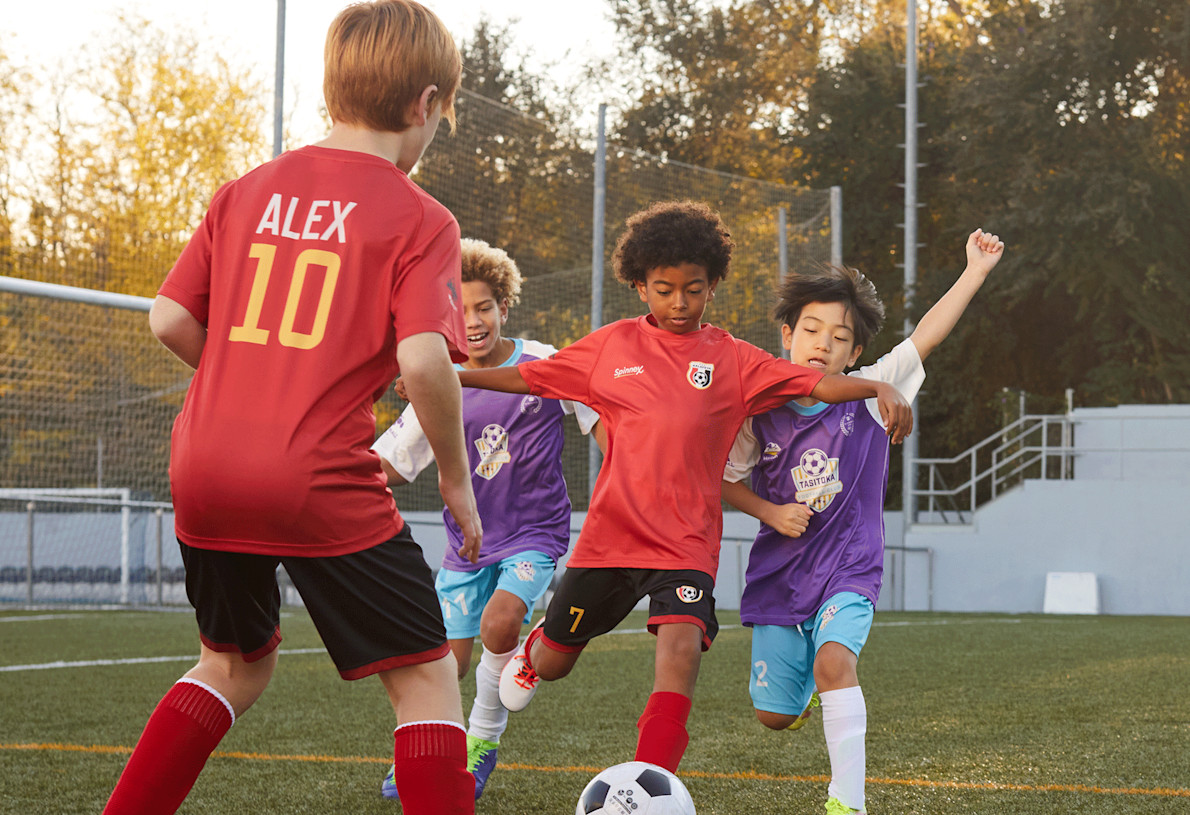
845 724
489 718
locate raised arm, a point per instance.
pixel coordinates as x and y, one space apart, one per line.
435 394
983 253
896 412
507 379
177 330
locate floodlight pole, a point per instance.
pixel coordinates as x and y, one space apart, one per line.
279 80
909 449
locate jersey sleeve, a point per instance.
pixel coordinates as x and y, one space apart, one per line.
405 446
901 367
426 289
189 281
769 381
744 453
567 373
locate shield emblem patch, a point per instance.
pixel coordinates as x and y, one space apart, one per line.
699 374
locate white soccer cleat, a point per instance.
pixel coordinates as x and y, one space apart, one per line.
518 683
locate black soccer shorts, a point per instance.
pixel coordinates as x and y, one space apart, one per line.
375 609
590 602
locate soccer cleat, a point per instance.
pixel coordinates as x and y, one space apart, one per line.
805 715
518 680
836 807
388 787
481 760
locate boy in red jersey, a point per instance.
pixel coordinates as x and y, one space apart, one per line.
311 280
671 392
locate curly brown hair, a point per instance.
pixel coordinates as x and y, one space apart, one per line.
487 264
832 284
670 233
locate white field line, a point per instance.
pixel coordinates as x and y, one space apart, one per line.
91 663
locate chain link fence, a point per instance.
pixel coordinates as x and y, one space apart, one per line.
88 397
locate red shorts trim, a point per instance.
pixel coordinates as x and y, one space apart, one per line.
680 618
231 648
397 662
560 647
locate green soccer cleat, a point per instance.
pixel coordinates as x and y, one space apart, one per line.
388 787
836 807
805 716
481 760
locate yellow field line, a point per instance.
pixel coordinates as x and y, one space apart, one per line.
1166 792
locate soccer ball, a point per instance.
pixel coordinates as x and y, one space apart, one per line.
635 788
813 462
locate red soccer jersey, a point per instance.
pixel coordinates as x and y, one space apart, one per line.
307 272
671 404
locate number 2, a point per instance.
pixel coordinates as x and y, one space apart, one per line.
762 668
290 337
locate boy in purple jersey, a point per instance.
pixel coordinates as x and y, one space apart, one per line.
819 473
515 451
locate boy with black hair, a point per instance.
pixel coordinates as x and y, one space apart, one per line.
671 393
819 473
310 281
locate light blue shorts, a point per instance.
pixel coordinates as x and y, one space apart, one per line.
783 655
464 595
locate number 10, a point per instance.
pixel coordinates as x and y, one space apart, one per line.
250 330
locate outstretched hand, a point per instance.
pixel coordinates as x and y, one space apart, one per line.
399 387
984 251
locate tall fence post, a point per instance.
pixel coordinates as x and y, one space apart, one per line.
598 213
125 546
29 507
836 226
782 261
160 513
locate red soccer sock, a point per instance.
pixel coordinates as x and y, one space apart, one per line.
431 769
663 737
180 736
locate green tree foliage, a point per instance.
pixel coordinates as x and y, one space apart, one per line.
1061 125
101 188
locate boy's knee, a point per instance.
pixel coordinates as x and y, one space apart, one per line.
774 721
501 633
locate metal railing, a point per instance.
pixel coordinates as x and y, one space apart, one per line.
1032 447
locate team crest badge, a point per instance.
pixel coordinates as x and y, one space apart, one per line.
699 374
847 423
493 451
817 479
531 404
525 571
828 614
689 594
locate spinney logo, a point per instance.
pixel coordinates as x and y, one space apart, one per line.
635 370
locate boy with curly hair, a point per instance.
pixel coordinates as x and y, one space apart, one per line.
818 474
671 393
515 454
310 281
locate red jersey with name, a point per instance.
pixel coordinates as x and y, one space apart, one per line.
671 404
306 272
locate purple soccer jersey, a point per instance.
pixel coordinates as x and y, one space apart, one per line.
834 459
514 447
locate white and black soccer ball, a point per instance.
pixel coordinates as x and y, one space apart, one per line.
635 788
493 436
813 462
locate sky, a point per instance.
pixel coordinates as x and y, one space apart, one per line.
545 33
